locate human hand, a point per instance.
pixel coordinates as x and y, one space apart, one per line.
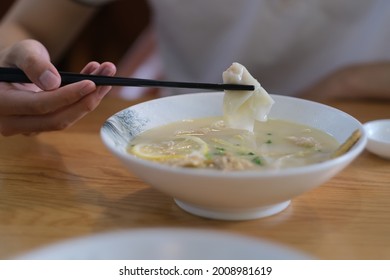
44 106
369 80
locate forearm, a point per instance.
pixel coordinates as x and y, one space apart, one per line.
54 23
11 33
369 80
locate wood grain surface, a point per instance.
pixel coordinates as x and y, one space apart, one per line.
65 184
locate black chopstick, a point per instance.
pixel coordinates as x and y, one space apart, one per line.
15 75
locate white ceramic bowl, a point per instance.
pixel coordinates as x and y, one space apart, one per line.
229 195
378 133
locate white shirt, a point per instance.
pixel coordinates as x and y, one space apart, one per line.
286 45
93 2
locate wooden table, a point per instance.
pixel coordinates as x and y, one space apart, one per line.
65 184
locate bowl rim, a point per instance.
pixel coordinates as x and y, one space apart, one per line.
351 154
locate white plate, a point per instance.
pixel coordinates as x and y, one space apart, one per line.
378 133
165 244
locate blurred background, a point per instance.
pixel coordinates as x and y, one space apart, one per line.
107 37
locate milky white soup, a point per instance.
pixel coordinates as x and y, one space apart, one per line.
242 139
209 143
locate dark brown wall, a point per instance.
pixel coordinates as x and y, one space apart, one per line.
4 5
107 36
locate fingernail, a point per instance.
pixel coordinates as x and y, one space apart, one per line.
106 72
49 80
88 88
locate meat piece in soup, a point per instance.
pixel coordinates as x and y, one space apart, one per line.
209 143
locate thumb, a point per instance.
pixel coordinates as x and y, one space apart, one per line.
33 58
48 78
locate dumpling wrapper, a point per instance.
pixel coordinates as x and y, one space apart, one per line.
242 108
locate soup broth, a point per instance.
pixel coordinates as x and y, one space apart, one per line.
209 143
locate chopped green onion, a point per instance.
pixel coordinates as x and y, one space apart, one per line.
257 160
219 151
208 156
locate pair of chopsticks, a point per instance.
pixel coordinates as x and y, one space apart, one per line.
15 75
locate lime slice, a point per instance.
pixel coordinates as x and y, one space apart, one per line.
176 148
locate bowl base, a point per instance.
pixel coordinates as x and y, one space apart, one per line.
233 215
